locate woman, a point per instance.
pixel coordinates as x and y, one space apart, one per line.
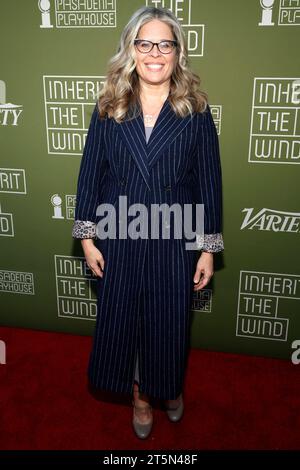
153 140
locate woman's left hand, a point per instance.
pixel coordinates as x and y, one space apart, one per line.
204 270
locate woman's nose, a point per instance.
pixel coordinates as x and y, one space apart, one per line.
155 51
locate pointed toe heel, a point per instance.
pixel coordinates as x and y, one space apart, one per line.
142 430
175 414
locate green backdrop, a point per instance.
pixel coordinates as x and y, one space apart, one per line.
53 57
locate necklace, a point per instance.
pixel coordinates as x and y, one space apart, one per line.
149 118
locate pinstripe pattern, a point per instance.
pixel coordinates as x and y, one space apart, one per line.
145 295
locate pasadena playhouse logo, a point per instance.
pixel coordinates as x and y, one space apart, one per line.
271 220
59 208
9 112
78 13
263 300
16 282
275 121
287 11
12 181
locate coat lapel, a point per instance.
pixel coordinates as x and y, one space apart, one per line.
166 129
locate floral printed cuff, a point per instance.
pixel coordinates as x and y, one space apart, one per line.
84 229
211 242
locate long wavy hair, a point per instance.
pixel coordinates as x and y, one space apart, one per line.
120 92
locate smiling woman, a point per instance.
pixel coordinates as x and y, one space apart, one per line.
155 62
145 292
156 55
136 65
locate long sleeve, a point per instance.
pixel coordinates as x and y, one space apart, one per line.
91 173
208 183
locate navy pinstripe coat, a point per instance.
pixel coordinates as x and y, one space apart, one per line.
144 297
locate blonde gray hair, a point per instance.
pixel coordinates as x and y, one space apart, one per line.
120 91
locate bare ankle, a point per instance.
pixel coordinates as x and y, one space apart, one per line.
138 396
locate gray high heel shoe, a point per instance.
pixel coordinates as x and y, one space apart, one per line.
142 430
175 414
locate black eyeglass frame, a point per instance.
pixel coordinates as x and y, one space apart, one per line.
137 41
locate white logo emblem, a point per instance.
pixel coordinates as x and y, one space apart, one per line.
9 112
267 11
44 6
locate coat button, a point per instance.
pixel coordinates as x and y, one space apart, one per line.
123 181
168 187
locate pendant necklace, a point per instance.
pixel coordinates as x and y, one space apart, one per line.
148 118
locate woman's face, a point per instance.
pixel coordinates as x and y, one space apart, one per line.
155 67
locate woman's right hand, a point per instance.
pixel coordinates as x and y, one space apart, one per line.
93 256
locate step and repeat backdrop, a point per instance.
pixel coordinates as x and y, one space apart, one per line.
54 56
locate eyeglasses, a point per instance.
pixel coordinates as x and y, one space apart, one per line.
165 47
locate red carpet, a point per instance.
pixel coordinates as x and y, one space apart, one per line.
232 401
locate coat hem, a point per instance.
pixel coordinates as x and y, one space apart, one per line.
128 390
